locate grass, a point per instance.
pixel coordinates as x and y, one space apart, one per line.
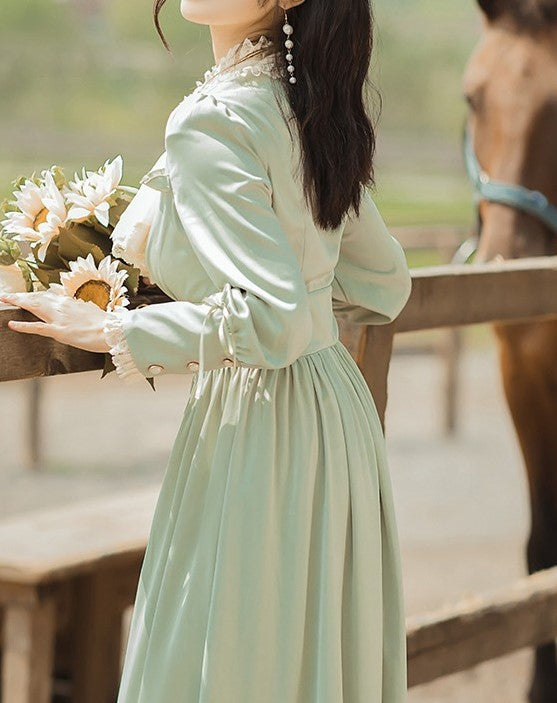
424 200
80 88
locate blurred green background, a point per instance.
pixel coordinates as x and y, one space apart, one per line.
84 80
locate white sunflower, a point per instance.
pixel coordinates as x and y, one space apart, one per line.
102 285
90 196
41 214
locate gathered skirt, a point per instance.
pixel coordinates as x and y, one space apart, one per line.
272 572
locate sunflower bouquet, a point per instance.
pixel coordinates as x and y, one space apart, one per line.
56 235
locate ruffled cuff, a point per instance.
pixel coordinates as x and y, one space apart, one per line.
121 355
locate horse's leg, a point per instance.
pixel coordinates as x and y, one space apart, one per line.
528 359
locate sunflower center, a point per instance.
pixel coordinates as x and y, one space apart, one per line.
96 291
40 218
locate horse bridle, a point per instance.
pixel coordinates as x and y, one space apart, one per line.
485 188
531 201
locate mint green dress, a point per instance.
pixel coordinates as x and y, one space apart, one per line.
272 572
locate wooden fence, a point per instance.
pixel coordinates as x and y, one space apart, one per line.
474 630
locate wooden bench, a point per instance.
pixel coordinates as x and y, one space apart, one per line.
67 574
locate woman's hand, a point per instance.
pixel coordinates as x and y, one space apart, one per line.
68 320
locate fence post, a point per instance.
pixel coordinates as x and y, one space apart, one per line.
374 359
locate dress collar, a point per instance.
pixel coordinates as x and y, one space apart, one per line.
224 68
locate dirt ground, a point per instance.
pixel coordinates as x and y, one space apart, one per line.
461 500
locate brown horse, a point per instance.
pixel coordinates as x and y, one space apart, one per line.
510 85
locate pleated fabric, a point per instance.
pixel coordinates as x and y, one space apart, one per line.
272 570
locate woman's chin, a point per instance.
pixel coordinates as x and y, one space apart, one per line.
194 11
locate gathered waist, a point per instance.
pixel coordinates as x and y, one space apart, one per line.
324 326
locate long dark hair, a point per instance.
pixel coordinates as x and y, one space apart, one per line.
333 43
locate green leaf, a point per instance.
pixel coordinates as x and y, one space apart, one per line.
151 382
57 174
132 281
81 241
46 277
26 272
6 206
117 210
131 190
52 260
108 364
76 242
9 251
96 226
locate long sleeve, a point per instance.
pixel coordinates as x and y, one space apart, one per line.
372 282
259 313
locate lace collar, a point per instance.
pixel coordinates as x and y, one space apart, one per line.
224 68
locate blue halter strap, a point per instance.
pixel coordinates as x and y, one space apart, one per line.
531 201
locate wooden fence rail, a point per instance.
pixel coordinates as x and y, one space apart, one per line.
482 627
442 296
520 290
465 294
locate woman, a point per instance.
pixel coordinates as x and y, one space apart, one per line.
272 572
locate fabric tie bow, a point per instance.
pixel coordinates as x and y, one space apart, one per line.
217 303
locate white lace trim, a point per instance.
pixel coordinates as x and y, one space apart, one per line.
119 349
224 68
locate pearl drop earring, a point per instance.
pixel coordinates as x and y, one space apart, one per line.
288 30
